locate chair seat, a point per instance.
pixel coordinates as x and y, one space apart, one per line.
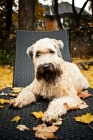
69 130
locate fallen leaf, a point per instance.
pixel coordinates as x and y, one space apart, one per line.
87 118
84 94
45 135
16 119
16 89
38 114
58 122
12 94
3 101
83 105
22 127
80 106
3 93
1 106
44 132
70 107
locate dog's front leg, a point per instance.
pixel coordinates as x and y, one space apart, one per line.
24 98
58 107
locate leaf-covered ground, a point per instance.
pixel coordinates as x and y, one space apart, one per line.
87 73
6 74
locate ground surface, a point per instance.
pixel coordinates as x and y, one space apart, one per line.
6 74
87 73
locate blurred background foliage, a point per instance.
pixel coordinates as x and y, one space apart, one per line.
30 15
9 20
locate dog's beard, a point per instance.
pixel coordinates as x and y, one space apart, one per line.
49 74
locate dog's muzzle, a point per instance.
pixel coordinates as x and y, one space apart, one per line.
48 72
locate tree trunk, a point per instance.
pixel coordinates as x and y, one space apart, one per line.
26 14
77 16
55 6
8 14
92 13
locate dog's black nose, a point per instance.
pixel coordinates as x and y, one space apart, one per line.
46 66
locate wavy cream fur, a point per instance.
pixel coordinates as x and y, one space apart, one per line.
62 90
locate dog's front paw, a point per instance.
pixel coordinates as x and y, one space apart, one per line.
55 110
24 98
16 103
49 117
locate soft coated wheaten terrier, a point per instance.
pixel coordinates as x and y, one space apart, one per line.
54 79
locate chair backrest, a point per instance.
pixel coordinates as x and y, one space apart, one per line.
23 70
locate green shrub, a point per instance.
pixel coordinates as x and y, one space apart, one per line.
6 58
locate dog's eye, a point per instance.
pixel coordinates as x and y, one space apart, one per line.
51 51
37 54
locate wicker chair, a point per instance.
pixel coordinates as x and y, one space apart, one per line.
23 76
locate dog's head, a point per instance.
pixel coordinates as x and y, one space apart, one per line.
46 55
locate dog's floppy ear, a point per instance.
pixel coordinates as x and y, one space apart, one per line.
60 44
30 51
59 47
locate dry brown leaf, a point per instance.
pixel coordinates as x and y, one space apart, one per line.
38 114
45 135
44 132
3 101
84 94
70 107
16 119
22 127
83 105
87 118
80 106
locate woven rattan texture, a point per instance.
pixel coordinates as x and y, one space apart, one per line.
69 130
24 73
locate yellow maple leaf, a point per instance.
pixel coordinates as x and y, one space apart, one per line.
16 119
16 89
38 114
87 118
3 101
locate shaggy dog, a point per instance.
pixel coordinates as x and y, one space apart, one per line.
55 79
